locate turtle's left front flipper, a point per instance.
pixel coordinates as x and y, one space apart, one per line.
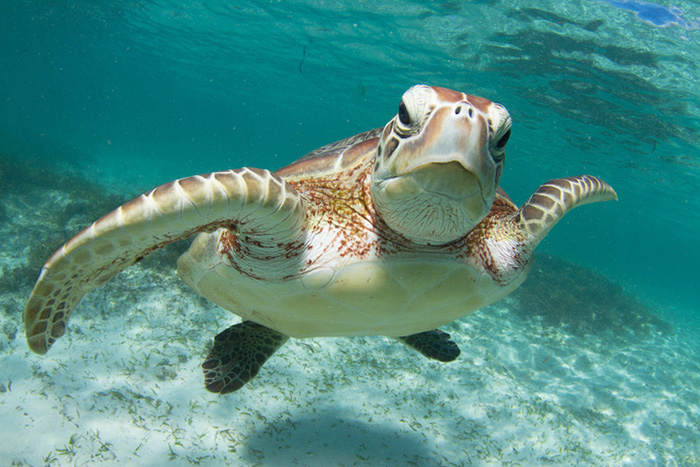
246 201
555 198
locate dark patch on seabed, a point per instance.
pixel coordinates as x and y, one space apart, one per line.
581 302
42 208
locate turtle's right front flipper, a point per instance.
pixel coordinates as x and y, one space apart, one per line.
553 200
247 201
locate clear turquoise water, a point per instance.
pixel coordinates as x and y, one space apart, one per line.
149 91
133 94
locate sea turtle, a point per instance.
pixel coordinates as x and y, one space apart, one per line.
392 232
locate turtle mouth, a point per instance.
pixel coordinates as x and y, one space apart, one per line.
449 179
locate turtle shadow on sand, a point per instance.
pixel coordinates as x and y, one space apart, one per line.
580 301
338 435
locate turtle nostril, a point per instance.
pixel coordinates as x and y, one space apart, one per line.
471 112
458 110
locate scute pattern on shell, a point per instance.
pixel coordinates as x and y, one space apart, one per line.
333 157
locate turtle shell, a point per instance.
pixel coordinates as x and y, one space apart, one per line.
334 157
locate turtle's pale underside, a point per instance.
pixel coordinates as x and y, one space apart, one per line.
395 232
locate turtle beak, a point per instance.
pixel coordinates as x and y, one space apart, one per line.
458 185
455 162
449 179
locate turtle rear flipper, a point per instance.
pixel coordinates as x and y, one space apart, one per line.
246 201
434 344
238 354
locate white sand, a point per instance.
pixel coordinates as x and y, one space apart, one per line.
124 386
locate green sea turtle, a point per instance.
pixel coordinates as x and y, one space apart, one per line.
392 232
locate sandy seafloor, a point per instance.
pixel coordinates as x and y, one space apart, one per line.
569 370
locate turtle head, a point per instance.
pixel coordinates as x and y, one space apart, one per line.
438 164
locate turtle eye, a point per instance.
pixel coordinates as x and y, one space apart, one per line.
501 144
404 117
